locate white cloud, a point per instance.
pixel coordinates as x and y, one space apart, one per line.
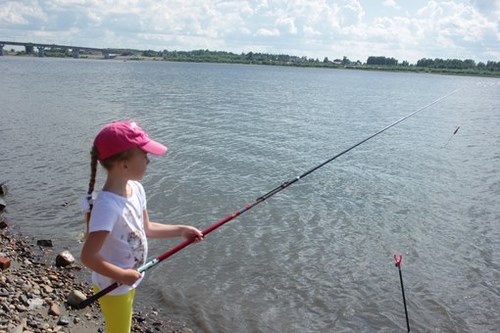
268 32
391 3
288 23
315 28
20 13
352 13
310 31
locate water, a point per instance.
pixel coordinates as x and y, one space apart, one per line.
317 257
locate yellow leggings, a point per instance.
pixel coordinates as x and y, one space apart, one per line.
117 311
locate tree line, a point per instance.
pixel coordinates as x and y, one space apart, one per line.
372 62
437 65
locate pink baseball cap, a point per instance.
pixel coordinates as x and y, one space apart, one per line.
120 136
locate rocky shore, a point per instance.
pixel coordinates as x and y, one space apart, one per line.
36 291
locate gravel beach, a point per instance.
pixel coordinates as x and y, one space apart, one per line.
34 292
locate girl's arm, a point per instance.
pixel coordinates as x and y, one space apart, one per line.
158 230
92 259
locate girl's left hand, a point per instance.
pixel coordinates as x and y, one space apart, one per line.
189 232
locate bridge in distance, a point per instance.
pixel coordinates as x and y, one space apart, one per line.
75 50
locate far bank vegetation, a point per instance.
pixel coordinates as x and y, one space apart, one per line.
424 65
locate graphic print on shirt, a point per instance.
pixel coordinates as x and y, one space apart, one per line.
136 243
136 239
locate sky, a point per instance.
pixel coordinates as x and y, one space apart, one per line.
407 30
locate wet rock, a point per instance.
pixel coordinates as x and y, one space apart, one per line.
3 188
44 242
2 205
65 258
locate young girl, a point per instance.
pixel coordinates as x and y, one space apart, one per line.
116 244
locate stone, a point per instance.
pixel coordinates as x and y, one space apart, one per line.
3 189
4 263
19 328
23 299
47 289
35 303
65 258
75 297
63 321
54 310
34 289
44 242
185 330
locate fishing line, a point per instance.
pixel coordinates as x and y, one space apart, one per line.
153 262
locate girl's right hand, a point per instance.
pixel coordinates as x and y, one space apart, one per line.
129 276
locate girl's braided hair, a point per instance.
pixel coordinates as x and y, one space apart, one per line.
93 172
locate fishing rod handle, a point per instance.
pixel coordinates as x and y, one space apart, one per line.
96 296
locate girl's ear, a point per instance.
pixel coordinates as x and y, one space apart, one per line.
123 164
117 165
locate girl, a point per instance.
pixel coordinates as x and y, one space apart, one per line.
119 224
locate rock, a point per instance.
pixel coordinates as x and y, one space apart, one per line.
20 308
64 259
3 189
44 242
2 205
23 299
185 330
75 297
4 263
33 289
63 321
35 303
3 224
48 289
54 310
19 328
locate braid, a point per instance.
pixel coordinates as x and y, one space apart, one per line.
93 173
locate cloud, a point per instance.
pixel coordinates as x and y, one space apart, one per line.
315 28
20 14
391 3
489 8
268 32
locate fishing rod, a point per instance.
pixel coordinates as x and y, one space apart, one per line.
398 262
155 261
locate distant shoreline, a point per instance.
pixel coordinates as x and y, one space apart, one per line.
398 68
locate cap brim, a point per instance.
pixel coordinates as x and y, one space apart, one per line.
155 148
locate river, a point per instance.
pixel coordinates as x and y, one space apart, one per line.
316 257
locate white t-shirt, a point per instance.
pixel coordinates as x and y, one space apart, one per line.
126 244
